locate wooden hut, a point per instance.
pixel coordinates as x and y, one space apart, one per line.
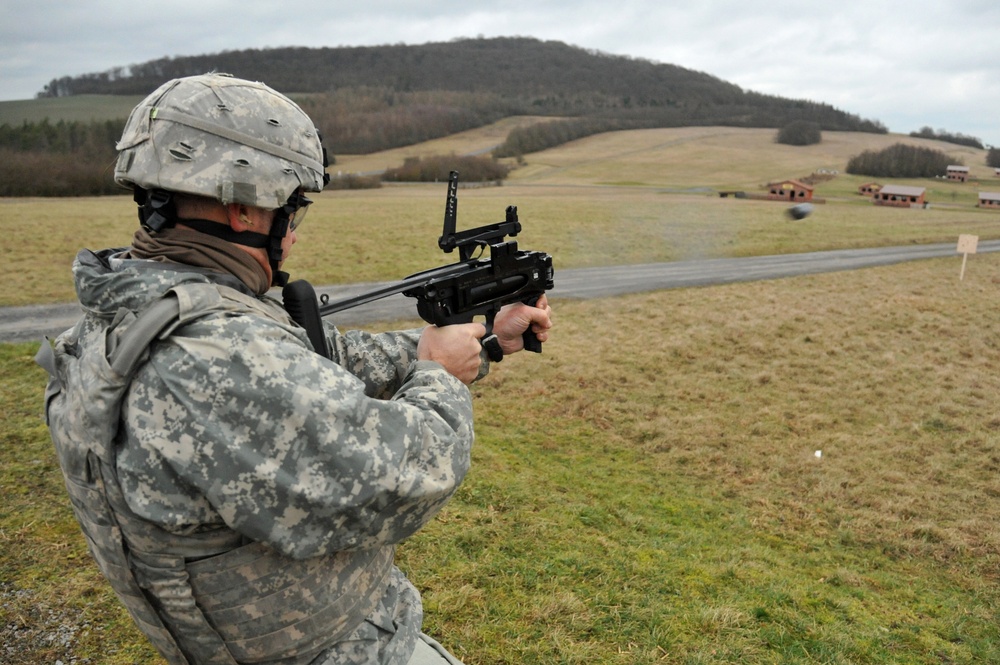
869 189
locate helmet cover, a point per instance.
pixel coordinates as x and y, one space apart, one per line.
222 137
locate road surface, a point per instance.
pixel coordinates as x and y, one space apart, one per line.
19 324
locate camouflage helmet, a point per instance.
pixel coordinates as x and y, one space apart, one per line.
226 138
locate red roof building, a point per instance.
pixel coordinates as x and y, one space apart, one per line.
958 173
988 200
901 196
789 190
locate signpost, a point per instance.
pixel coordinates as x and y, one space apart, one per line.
966 245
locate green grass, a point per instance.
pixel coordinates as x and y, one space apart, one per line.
647 490
53 600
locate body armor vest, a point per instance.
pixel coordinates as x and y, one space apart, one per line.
210 597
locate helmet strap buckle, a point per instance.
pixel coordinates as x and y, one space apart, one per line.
156 208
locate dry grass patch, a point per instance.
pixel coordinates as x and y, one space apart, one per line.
891 373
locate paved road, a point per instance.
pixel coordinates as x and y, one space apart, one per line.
18 324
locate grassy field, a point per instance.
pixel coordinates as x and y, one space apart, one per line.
82 108
623 198
791 471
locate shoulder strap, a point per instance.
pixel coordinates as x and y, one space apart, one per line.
125 356
136 340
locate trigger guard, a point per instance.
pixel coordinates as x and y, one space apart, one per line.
492 345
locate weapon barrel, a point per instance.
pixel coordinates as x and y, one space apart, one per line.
414 280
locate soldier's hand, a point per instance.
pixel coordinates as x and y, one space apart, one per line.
456 347
513 320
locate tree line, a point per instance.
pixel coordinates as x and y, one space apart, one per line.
363 120
948 137
58 159
901 161
473 168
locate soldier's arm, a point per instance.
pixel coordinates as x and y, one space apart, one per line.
380 360
287 447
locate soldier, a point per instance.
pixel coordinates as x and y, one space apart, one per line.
242 493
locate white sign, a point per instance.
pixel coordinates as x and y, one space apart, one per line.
966 245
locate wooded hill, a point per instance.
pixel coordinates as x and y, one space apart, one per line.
367 99
519 74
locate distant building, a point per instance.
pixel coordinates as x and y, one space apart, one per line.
996 172
901 196
958 173
989 200
789 190
869 189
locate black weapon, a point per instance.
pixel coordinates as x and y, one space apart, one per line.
456 293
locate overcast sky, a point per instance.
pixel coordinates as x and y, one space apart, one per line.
908 64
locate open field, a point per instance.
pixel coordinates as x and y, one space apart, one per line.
83 108
628 197
791 471
392 232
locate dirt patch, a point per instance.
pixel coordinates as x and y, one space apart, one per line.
33 632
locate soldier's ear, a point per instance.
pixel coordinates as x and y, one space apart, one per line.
239 221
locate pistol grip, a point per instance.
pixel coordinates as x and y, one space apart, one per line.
531 342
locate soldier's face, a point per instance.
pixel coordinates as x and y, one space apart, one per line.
286 244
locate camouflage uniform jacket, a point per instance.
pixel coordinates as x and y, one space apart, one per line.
259 488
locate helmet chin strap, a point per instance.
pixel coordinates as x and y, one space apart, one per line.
157 211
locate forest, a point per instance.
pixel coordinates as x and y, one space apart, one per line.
367 99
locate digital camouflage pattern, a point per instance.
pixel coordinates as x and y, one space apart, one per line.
226 138
257 487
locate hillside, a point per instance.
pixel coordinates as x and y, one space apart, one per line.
507 76
366 100
679 158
